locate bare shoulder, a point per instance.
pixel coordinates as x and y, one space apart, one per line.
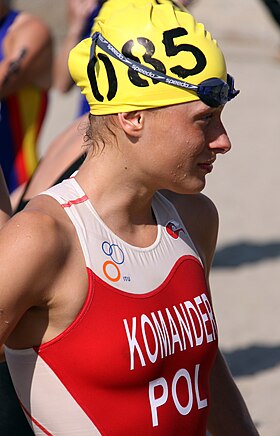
37 233
50 216
33 247
200 216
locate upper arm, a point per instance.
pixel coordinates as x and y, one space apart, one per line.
27 55
30 251
61 153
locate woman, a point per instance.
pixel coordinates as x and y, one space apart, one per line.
111 323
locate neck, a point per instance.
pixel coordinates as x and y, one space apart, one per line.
115 190
121 200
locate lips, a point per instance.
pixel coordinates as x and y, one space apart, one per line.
207 165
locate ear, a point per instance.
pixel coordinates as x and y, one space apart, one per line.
132 123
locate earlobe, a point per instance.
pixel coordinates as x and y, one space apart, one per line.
132 122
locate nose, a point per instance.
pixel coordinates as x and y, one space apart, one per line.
220 141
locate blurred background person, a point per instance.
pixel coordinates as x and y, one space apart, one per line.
80 18
5 205
64 156
25 77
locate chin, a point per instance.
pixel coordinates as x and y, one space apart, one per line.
193 188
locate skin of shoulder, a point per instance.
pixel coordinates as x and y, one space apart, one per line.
200 216
33 246
29 44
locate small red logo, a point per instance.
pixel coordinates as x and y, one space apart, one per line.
173 229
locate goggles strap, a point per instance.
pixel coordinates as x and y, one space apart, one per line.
98 39
200 90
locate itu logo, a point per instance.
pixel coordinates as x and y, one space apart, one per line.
110 267
173 229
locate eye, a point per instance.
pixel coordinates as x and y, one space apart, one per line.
206 117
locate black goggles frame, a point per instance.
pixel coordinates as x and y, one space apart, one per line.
214 92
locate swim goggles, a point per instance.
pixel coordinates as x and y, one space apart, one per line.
213 92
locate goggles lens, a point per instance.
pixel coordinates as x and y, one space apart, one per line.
214 92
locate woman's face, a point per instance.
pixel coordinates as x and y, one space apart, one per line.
184 141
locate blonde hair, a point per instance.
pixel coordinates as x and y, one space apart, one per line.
99 132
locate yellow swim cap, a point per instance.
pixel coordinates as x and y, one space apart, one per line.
161 39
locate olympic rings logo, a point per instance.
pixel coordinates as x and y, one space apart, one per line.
110 267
